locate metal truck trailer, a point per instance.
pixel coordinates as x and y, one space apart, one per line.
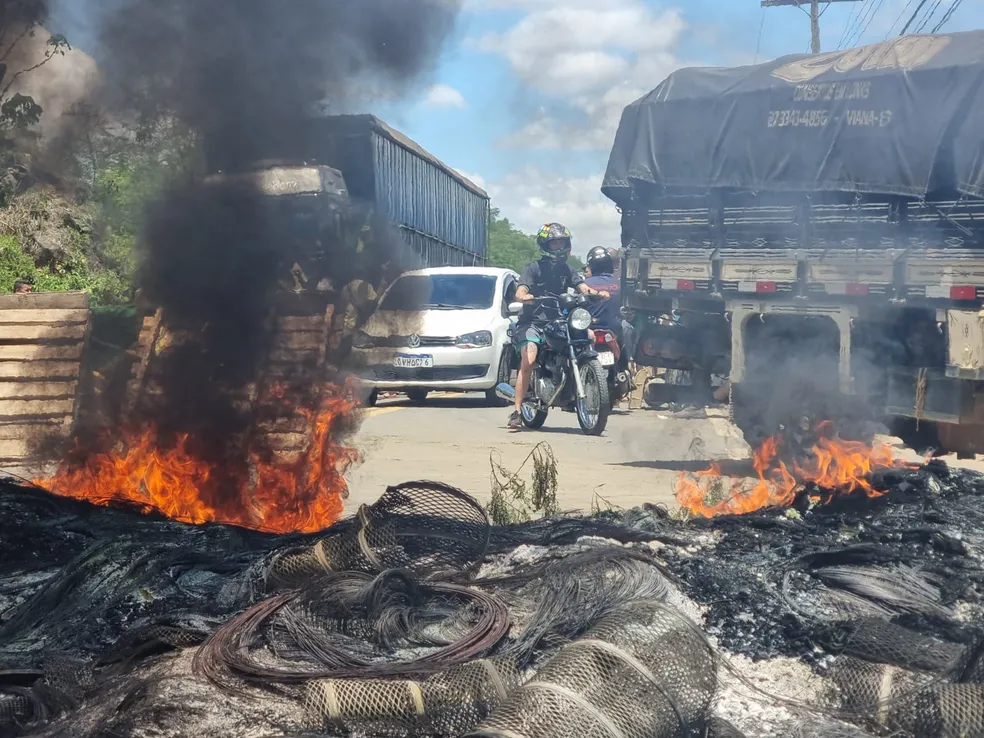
442 215
838 194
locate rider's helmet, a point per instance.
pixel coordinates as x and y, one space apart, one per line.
600 261
554 241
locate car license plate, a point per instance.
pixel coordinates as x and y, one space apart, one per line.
607 358
413 362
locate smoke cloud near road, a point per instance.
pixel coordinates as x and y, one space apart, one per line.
247 70
244 75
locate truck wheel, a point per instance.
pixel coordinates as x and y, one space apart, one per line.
417 395
503 375
371 399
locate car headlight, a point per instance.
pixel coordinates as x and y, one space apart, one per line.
363 340
474 340
580 319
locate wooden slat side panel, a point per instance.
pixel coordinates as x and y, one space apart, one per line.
48 390
291 323
43 333
288 441
294 355
36 408
19 431
148 335
23 449
39 370
292 424
46 301
40 317
41 353
299 340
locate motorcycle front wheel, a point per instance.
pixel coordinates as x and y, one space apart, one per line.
593 410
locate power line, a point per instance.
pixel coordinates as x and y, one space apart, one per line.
901 13
852 23
946 16
912 17
929 16
758 41
865 21
871 17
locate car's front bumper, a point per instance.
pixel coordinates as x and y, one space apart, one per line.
453 369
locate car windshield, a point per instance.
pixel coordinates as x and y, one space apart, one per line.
441 292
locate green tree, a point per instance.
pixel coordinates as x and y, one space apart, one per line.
510 248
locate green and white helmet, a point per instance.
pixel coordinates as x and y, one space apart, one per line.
547 239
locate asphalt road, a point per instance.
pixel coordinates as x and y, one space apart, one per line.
450 438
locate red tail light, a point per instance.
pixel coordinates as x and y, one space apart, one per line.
963 293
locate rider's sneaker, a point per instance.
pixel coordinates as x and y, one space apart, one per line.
515 421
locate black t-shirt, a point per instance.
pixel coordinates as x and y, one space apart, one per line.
542 278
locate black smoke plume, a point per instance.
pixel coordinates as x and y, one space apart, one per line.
245 76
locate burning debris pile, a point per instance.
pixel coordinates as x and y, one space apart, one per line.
788 475
418 618
237 408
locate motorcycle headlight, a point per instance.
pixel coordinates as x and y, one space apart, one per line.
474 340
580 319
363 340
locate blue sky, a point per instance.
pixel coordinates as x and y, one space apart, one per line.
527 95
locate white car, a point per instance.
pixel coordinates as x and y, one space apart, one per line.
444 329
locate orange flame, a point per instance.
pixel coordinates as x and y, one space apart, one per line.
304 495
832 464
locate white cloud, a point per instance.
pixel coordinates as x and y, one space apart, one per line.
531 198
477 179
587 61
444 96
584 61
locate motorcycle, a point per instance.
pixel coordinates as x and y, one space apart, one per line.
567 368
612 359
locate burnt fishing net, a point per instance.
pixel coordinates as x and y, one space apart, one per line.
430 528
417 617
643 671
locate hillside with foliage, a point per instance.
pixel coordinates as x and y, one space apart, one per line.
510 248
63 222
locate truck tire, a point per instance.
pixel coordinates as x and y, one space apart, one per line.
417 395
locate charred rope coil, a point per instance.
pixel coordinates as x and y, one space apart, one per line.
351 624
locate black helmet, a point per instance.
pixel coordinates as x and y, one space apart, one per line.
600 261
554 232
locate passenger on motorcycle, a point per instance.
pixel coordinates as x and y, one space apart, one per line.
606 313
550 275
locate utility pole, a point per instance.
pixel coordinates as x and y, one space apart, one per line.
814 15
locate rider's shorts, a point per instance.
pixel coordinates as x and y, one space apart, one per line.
524 334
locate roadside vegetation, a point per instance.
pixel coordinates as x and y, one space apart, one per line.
510 248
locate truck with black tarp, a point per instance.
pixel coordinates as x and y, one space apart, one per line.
828 207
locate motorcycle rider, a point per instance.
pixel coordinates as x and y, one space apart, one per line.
549 275
600 268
